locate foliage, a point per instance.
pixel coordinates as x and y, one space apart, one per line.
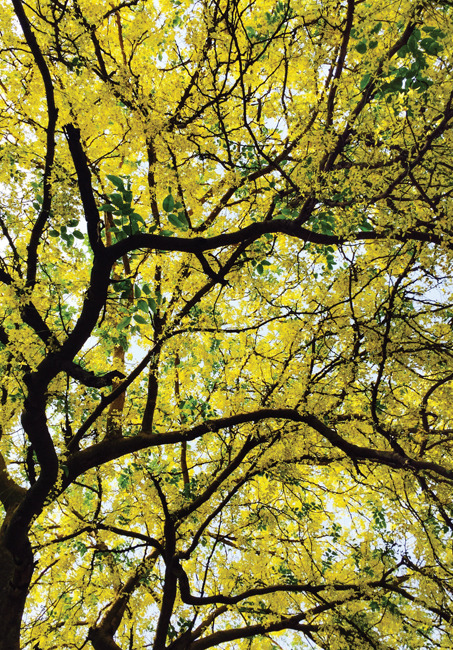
226 324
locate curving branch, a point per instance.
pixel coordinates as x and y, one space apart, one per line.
91 212
52 115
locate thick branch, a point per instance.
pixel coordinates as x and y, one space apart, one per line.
308 588
86 190
10 492
101 635
104 451
198 245
88 378
223 636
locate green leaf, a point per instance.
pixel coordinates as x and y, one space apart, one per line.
106 208
430 46
127 211
78 234
372 44
166 233
175 221
152 305
124 323
137 291
169 203
143 305
125 478
412 44
361 47
183 219
433 31
377 28
146 289
422 84
117 181
54 233
402 73
393 86
365 80
117 200
140 319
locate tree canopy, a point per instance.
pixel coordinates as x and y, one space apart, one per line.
226 324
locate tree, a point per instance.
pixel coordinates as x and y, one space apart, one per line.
226 324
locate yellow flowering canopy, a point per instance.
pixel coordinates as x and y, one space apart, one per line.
226 311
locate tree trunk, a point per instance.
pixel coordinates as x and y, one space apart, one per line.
14 583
